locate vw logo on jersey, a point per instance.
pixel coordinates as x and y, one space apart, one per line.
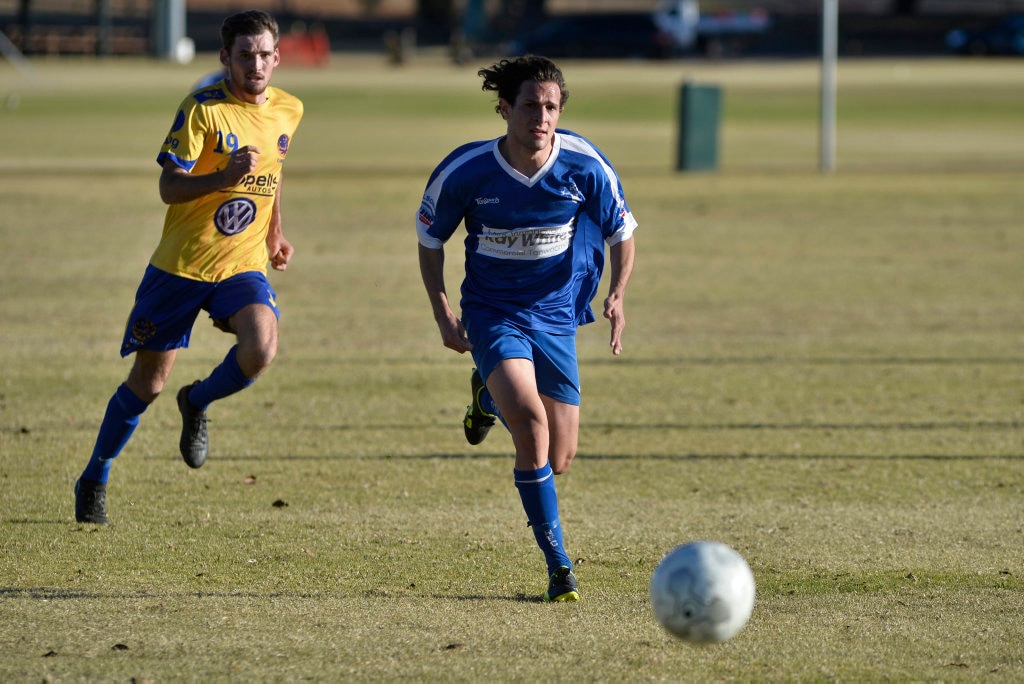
235 215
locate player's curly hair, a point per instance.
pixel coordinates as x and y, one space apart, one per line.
247 23
508 75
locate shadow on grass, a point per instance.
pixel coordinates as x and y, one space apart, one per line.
900 426
992 425
60 593
605 360
692 456
517 598
996 425
812 361
63 594
667 425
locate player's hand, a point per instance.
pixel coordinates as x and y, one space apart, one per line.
280 253
615 313
453 334
241 163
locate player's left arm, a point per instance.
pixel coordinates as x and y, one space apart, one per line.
279 249
621 268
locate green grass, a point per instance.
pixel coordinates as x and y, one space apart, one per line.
823 371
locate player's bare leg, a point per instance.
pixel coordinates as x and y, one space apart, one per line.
513 386
149 373
256 328
563 431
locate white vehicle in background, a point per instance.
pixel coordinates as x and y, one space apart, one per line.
713 34
673 28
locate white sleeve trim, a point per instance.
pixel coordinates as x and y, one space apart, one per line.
625 232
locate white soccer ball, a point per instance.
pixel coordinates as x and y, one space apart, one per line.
703 592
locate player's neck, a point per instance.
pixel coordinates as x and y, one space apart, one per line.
525 160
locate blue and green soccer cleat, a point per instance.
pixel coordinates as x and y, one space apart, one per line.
563 586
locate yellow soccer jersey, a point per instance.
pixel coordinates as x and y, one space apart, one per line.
224 233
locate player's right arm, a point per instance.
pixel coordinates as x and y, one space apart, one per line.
453 334
178 185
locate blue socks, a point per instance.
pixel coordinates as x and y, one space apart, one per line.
225 380
119 422
487 402
540 501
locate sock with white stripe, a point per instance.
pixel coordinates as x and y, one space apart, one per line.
540 501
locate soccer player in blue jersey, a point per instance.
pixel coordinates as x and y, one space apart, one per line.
539 205
221 179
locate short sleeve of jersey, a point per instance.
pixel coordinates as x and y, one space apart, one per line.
187 137
609 209
440 212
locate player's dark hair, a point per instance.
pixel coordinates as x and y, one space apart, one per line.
508 75
247 23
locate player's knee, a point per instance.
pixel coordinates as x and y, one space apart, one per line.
264 359
255 360
560 462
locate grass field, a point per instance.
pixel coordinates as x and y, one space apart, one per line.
823 371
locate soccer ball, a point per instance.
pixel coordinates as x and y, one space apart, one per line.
703 592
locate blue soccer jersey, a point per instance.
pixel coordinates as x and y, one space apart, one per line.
534 246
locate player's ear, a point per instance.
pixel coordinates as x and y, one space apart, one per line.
224 57
504 108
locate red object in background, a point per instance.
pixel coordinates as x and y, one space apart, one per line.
302 48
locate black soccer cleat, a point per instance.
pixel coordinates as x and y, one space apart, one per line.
91 502
477 422
563 586
195 442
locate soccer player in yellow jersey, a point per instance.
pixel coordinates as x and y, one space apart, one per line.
221 179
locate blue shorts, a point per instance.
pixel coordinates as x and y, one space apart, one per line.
166 306
553 356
